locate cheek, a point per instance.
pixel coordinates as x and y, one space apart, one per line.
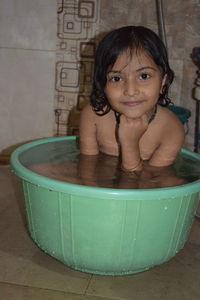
112 96
155 89
112 93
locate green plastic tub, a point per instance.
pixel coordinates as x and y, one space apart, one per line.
103 230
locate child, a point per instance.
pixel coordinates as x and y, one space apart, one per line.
127 116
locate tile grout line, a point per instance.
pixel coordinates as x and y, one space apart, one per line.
84 294
39 288
28 49
98 296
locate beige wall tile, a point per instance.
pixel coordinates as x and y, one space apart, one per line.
28 24
27 91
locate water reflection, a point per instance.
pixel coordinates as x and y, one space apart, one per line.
104 171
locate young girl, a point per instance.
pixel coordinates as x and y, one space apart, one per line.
127 116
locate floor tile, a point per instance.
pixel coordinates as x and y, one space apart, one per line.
7 192
195 232
20 292
46 272
12 268
176 279
17 292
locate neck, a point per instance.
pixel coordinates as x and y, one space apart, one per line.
153 114
151 117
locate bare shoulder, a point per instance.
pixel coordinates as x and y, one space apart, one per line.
87 110
87 115
172 126
169 119
172 135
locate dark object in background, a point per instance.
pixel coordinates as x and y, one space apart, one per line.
196 59
196 56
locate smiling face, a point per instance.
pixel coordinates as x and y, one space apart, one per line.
134 84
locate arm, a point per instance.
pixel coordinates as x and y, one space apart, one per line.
87 169
88 140
130 131
169 147
158 177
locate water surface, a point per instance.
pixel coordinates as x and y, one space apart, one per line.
62 161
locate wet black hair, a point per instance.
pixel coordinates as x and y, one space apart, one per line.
134 38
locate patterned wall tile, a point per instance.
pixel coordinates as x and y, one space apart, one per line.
76 33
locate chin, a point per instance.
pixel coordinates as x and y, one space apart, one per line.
132 115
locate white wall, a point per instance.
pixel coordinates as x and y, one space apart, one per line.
27 70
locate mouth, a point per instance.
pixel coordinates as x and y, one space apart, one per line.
132 103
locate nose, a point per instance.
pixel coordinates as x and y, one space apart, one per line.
131 88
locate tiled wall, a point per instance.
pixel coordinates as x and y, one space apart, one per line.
78 24
183 34
47 51
27 70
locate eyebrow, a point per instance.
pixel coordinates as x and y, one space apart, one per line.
145 67
138 70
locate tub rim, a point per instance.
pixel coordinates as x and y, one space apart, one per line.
109 193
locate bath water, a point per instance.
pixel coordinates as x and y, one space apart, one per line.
62 161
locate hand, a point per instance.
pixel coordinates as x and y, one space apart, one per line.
129 133
131 130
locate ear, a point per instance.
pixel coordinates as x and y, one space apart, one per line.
163 83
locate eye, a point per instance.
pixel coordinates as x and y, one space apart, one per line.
145 76
115 79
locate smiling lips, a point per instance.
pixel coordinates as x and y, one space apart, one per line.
132 103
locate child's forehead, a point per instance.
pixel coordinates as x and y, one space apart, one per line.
134 59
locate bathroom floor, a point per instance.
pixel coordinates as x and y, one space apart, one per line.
27 273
